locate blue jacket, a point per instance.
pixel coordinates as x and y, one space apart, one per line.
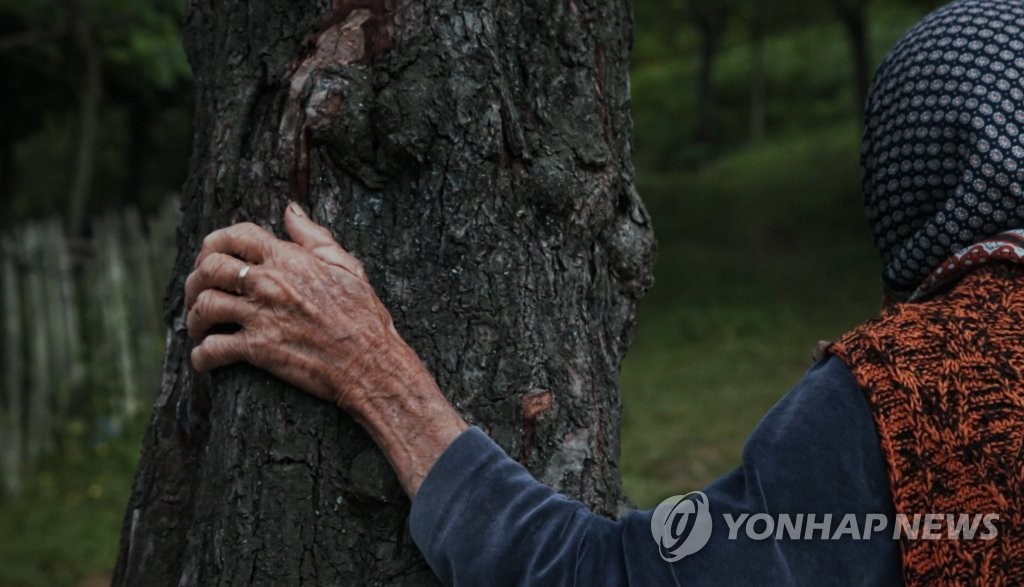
481 519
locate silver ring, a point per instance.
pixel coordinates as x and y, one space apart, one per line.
241 277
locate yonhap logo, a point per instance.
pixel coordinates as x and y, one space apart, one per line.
681 525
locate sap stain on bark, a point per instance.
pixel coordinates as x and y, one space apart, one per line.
534 404
340 44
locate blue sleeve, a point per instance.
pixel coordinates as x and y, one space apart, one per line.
481 519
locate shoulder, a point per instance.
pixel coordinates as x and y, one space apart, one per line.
824 403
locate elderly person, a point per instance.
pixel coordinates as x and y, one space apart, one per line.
917 411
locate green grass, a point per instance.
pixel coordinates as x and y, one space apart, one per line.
762 254
65 525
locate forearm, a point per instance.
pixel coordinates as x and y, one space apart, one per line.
481 519
406 414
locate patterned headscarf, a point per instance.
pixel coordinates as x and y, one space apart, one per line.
943 150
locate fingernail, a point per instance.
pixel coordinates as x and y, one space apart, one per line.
296 208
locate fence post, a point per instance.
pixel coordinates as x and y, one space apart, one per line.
70 325
69 303
116 316
51 249
40 424
11 434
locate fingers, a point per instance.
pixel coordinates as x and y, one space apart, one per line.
245 241
319 241
216 271
215 307
218 350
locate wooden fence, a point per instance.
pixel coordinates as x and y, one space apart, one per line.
82 335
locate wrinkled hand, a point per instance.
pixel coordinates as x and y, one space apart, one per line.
305 311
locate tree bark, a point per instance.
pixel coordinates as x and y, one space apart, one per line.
476 157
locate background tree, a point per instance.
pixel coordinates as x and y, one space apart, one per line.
853 16
477 159
89 89
81 78
758 79
711 19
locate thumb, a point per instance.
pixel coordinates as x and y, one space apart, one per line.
318 240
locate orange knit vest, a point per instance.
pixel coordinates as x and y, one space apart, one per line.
945 382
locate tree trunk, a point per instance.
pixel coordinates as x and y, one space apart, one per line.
476 158
7 169
138 140
87 121
707 106
758 83
853 16
710 17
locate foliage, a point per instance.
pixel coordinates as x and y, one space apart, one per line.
808 86
150 46
145 101
141 37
